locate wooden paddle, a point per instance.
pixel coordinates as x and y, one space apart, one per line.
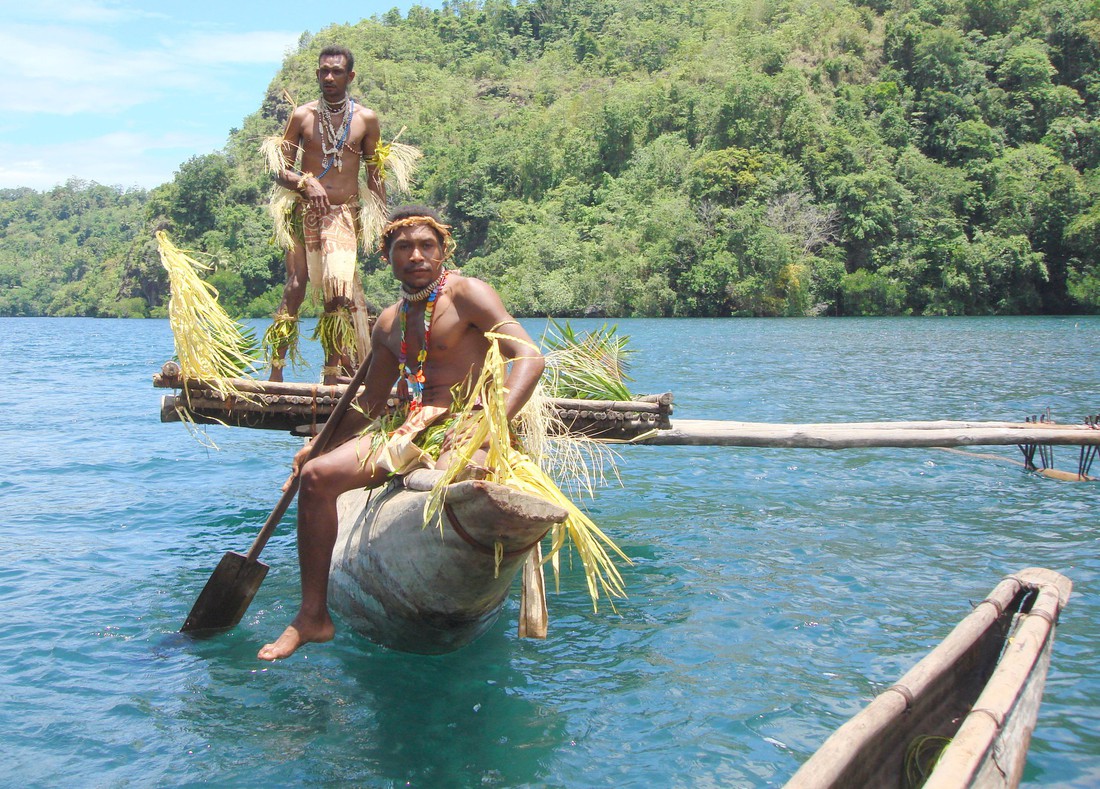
235 580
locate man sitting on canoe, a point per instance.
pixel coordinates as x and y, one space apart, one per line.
431 339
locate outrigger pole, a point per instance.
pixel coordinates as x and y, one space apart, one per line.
687 432
302 408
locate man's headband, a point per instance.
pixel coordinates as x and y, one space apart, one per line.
409 221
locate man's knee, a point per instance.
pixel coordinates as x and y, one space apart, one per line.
314 481
294 293
296 280
323 479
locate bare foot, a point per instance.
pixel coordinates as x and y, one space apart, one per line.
301 631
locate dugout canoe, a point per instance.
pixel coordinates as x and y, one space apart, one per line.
971 703
422 589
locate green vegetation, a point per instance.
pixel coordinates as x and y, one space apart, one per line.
75 250
665 158
587 365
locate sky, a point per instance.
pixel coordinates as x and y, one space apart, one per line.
122 92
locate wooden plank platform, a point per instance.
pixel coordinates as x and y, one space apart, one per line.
301 408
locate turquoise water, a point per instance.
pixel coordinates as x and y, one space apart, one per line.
773 592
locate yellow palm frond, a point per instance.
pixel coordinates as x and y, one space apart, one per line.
396 162
372 218
487 425
271 148
280 207
209 344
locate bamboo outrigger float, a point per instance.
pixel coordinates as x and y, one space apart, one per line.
940 433
429 589
963 716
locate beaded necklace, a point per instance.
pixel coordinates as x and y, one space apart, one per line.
332 147
414 381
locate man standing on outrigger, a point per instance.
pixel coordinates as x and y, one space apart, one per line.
334 135
431 339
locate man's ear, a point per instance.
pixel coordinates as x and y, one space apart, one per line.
351 77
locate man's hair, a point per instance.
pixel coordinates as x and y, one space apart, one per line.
332 50
406 211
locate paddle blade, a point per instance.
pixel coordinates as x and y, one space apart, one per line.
227 594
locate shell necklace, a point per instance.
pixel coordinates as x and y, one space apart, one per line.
425 291
332 144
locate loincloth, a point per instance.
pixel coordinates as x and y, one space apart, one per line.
400 451
331 240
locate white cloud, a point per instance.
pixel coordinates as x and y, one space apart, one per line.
93 88
261 46
118 158
82 71
81 11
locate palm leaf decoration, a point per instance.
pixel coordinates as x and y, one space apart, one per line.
209 344
282 335
482 420
396 164
589 366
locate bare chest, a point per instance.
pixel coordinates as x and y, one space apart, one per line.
317 136
444 348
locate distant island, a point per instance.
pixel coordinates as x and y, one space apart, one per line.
688 158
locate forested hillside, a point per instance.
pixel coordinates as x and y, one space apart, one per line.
71 251
666 157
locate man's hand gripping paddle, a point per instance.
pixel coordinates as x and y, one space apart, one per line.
234 582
